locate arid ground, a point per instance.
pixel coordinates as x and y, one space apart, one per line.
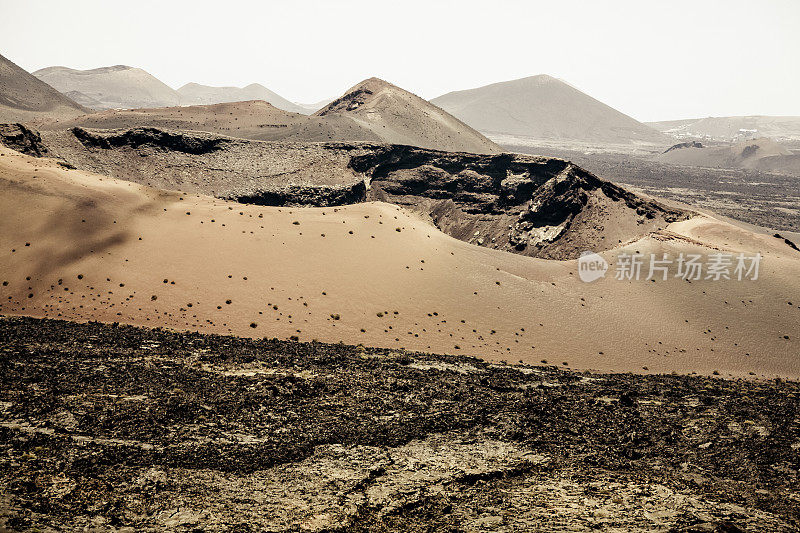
232 316
114 427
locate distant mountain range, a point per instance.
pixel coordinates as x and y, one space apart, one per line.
754 154
536 108
546 108
194 93
124 87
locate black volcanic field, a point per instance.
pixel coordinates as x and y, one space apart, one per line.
114 427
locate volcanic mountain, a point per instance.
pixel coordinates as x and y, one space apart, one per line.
194 93
544 108
119 86
25 98
399 117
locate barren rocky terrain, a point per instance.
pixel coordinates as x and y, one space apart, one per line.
115 427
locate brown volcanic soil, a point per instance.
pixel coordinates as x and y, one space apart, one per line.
80 246
766 199
110 427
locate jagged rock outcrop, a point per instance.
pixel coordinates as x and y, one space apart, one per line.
314 196
178 142
518 203
22 139
688 144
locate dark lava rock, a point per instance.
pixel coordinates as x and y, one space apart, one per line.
111 426
22 139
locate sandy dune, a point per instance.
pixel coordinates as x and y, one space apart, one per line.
80 246
536 206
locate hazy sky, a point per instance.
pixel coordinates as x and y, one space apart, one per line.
654 60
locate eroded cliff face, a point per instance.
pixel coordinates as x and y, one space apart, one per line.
535 206
22 139
135 138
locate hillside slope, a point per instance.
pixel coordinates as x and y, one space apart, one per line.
535 206
23 97
374 111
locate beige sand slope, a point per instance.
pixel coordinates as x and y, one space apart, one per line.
755 154
25 98
733 128
545 108
195 93
400 117
389 114
119 86
78 246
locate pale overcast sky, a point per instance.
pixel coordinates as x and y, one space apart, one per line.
654 60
